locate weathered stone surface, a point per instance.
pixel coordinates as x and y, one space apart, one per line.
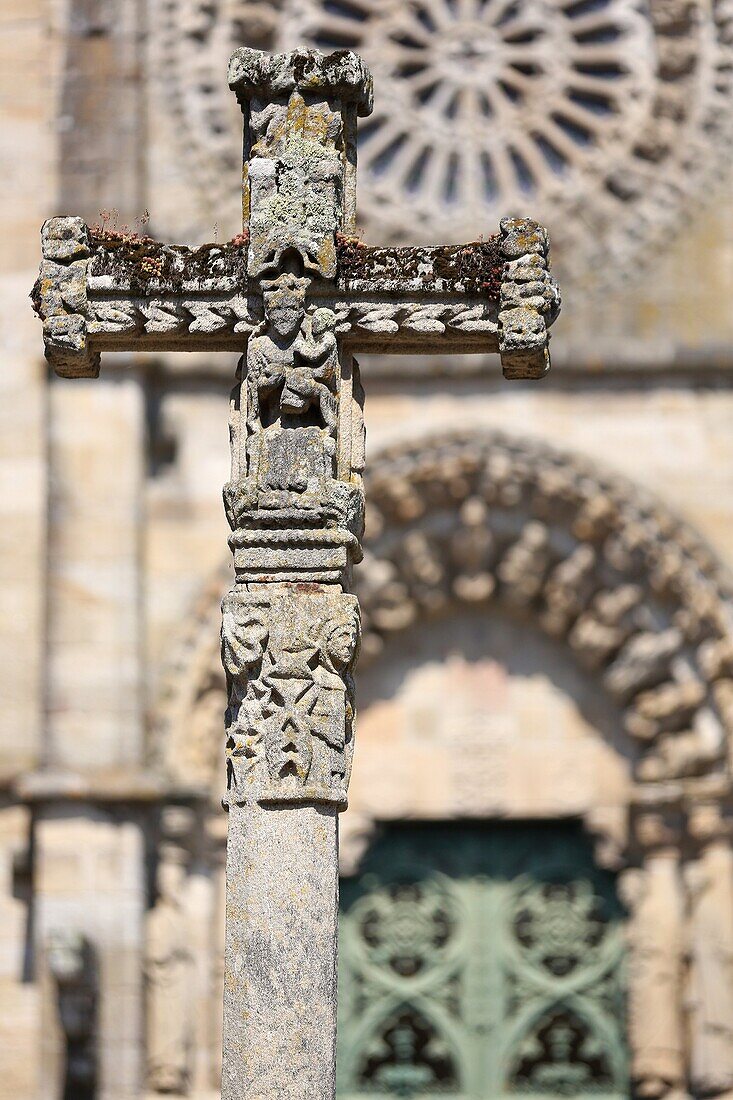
60 297
291 698
341 75
290 632
281 942
299 191
529 300
308 296
403 300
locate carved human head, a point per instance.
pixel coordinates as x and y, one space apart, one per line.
299 388
284 300
342 637
252 635
171 874
322 320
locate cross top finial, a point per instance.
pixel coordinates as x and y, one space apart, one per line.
341 74
300 112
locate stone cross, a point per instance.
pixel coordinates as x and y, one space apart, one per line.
299 294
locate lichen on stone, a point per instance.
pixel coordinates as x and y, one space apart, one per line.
136 262
473 269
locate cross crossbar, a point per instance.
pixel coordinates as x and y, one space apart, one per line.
110 292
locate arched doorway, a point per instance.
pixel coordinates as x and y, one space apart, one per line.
636 612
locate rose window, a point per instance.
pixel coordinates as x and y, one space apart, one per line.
606 120
487 107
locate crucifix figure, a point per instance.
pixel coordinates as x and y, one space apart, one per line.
298 294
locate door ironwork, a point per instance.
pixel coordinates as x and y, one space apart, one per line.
479 962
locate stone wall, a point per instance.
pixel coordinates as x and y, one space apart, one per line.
113 531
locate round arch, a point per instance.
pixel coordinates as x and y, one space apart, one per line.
627 592
476 519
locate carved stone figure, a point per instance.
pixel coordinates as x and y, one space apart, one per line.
292 379
710 885
653 894
72 964
294 181
314 383
291 697
332 712
168 972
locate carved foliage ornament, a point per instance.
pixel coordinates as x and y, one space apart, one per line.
609 118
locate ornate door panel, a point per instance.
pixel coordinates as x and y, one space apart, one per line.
480 962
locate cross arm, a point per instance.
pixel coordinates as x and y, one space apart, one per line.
115 292
488 296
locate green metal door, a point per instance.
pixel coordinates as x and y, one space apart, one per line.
479 962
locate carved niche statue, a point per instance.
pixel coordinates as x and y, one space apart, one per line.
709 880
289 442
168 973
72 964
292 375
653 895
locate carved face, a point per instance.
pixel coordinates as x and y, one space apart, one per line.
251 639
322 320
285 311
341 643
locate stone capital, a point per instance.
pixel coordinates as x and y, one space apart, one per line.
340 75
289 655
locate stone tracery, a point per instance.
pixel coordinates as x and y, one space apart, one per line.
611 118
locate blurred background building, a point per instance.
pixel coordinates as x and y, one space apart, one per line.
538 878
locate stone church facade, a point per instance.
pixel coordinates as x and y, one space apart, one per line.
538 873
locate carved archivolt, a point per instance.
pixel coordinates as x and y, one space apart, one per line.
467 519
610 117
633 593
